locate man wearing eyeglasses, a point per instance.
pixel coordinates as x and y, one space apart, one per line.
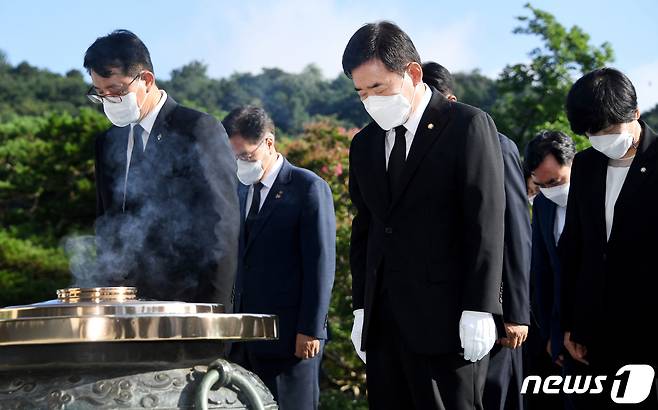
286 261
165 182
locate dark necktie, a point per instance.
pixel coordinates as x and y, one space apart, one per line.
253 210
138 145
396 160
136 161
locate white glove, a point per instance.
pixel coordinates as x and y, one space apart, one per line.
477 332
357 328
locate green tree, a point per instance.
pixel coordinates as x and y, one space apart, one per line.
191 86
47 174
4 61
532 95
475 89
29 272
27 90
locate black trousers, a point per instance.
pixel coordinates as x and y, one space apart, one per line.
603 362
294 383
504 379
400 379
607 361
537 362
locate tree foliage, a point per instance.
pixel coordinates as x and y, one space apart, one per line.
651 117
532 95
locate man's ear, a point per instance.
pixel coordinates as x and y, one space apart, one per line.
148 78
415 71
452 97
269 139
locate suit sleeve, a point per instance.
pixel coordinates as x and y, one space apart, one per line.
358 239
570 251
516 257
220 187
318 250
483 199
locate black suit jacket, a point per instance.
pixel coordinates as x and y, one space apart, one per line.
515 289
609 287
440 238
177 238
288 264
546 275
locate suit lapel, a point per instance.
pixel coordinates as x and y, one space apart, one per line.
641 167
549 220
114 162
243 191
161 124
432 123
379 168
119 147
273 199
598 186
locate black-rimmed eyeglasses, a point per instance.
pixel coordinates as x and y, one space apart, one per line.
247 156
111 98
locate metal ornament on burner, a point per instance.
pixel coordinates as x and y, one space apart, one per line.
105 348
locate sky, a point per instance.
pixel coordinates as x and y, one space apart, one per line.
245 36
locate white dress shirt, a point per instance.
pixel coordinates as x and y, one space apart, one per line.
411 125
560 217
147 124
267 181
614 181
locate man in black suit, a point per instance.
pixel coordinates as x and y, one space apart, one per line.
505 374
426 178
287 260
165 182
548 159
610 237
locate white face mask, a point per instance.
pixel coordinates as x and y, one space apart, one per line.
389 111
125 112
614 146
250 172
558 194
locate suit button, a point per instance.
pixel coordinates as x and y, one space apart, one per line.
246 267
388 230
605 257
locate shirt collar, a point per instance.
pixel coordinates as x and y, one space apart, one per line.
414 119
268 180
148 121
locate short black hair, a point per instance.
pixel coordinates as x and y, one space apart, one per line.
120 49
384 41
556 143
599 99
437 76
250 122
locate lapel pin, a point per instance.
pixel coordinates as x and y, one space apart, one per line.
159 137
430 126
643 170
278 195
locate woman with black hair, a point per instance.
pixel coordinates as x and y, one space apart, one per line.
610 236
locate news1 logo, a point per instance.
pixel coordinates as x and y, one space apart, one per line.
631 384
